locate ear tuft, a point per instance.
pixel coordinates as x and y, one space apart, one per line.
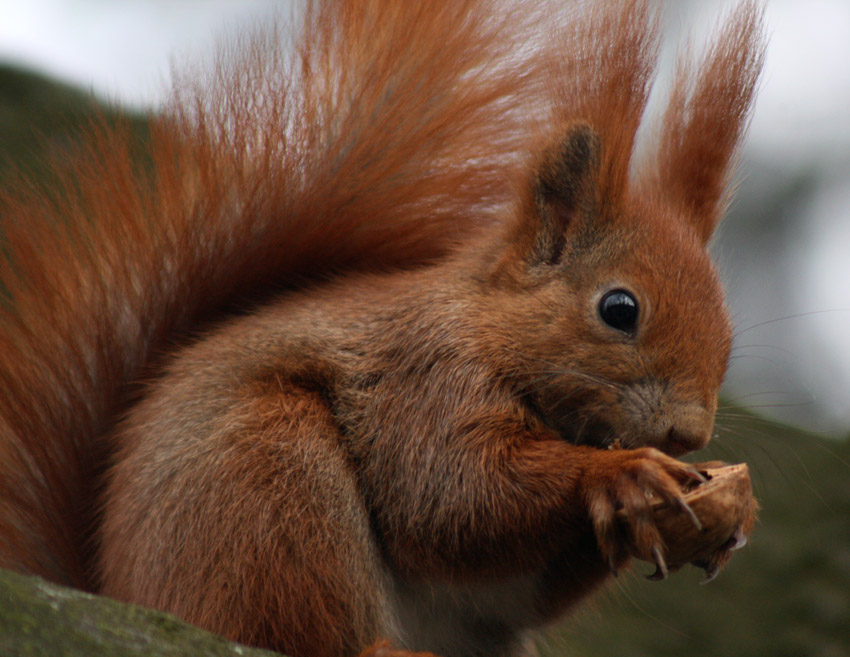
565 188
568 166
707 117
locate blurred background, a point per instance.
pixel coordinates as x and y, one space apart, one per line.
784 253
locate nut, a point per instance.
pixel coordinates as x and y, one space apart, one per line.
726 510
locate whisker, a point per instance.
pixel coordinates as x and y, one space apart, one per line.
811 402
559 371
739 398
718 445
789 317
763 346
755 357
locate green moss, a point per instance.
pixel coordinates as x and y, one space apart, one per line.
38 619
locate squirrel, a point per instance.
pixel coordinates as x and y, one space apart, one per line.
375 335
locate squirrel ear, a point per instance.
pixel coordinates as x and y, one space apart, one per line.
706 119
564 189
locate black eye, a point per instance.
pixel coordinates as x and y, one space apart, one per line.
619 310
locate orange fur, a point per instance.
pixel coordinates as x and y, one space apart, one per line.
441 193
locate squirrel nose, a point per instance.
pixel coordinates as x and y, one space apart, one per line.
660 417
690 429
678 441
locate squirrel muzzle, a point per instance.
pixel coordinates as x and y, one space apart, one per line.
655 415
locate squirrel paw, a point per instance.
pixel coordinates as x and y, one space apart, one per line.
619 501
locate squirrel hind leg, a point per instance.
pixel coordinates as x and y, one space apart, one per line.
269 546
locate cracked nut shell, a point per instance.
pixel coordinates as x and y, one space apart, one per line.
726 509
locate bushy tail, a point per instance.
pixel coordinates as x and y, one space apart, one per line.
382 136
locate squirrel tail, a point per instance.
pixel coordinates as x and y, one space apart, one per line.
382 135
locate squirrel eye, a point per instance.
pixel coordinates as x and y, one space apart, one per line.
619 310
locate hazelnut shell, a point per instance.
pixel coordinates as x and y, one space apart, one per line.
726 509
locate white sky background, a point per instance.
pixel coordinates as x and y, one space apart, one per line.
123 49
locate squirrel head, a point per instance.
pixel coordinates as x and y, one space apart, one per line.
618 333
614 328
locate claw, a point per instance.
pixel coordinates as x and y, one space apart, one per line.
660 565
658 576
612 566
740 539
684 506
736 541
711 571
696 475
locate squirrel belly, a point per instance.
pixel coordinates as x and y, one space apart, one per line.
385 340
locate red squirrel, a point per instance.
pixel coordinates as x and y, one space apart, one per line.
375 335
